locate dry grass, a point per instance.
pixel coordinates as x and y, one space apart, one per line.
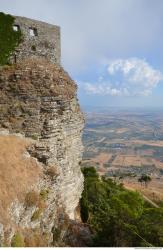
17 172
121 130
135 142
52 171
132 160
119 160
151 143
31 199
157 163
154 191
135 160
102 158
35 238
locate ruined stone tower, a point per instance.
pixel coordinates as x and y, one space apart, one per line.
41 40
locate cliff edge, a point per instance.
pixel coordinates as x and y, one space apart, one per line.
40 134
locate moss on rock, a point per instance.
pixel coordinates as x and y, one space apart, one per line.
36 215
17 241
9 39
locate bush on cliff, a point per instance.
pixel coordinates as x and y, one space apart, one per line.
118 217
31 199
9 39
17 241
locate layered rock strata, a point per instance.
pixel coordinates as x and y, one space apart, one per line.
38 101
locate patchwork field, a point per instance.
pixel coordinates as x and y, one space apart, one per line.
125 143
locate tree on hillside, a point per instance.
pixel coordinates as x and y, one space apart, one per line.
151 226
145 179
110 210
118 217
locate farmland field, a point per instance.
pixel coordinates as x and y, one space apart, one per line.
125 143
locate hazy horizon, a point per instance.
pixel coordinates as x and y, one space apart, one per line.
97 108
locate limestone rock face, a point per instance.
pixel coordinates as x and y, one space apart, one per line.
38 101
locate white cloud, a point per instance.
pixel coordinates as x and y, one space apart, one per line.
126 77
136 71
101 89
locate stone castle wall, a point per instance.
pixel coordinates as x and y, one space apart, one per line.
39 40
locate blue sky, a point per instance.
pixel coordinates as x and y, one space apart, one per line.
113 49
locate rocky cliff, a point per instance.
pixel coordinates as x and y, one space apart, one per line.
40 134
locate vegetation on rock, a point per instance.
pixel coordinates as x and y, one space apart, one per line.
35 238
36 215
17 241
44 194
145 179
119 217
31 198
52 171
9 38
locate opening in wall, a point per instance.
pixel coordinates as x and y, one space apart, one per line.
33 32
16 27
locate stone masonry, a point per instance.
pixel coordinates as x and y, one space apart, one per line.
39 40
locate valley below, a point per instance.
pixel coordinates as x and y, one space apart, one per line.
126 145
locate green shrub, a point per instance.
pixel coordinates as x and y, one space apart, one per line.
36 215
56 234
33 47
44 194
118 217
9 39
17 241
34 137
84 209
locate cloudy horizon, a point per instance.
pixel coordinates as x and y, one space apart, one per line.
112 48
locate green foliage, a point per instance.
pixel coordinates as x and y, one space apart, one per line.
90 172
145 178
44 194
36 215
56 234
17 241
9 38
34 137
127 203
84 206
118 217
33 47
151 226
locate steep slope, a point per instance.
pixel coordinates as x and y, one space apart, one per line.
17 170
38 101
